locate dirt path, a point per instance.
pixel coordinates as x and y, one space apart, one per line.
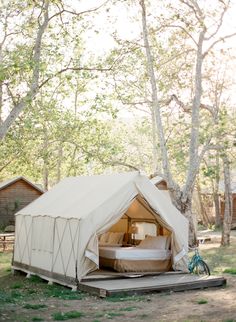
213 304
218 304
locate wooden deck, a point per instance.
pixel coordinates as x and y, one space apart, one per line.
139 284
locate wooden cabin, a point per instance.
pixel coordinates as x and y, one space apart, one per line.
222 209
159 182
15 194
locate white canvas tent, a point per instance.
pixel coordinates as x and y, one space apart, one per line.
57 235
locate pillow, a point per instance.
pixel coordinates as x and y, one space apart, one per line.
121 238
154 242
104 237
115 238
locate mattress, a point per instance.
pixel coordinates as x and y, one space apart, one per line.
134 253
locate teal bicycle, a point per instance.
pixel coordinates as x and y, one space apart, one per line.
197 265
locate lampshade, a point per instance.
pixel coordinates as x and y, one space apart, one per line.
133 229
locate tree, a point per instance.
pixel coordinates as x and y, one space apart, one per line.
23 71
182 197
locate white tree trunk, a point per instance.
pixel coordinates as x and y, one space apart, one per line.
183 202
154 144
227 221
59 161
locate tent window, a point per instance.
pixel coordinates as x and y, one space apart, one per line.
43 228
145 228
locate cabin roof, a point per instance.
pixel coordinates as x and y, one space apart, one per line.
9 182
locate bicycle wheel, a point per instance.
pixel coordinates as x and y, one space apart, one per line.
201 268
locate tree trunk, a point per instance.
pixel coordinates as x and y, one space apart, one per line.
45 160
202 210
59 162
1 90
154 144
218 222
227 221
185 207
183 202
155 102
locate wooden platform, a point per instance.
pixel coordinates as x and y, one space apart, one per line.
131 284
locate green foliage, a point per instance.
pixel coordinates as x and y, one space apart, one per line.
37 318
60 316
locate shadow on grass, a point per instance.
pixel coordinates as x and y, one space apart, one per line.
220 258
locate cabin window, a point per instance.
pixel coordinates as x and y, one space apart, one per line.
145 228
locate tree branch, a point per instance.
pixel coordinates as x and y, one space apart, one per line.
216 42
182 28
220 22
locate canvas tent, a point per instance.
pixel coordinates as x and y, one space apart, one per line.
57 235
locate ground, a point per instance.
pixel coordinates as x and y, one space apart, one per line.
32 299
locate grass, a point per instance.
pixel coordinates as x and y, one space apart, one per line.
34 306
220 259
202 301
17 285
62 293
6 298
60 316
36 279
37 318
5 261
230 271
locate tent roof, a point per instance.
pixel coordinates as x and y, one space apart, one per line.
76 197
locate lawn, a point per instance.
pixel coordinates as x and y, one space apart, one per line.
23 299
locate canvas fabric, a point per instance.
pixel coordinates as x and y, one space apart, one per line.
59 231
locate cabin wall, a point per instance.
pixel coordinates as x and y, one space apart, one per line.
233 210
15 197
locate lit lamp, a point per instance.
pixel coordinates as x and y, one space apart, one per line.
133 230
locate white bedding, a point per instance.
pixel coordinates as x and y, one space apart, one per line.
134 253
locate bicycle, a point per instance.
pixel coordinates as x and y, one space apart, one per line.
197 265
